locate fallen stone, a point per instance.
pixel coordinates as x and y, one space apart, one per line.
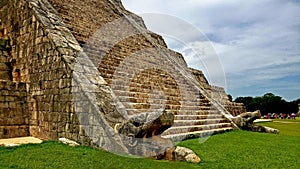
185 154
192 158
246 120
68 142
271 130
263 129
182 151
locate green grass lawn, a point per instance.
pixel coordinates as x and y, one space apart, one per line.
55 155
287 127
237 149
242 149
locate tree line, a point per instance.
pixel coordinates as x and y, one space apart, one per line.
269 103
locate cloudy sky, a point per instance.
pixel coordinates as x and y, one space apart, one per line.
257 42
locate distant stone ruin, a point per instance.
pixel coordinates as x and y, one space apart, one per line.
63 78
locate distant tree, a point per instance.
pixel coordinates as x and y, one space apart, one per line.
269 103
293 106
247 101
272 104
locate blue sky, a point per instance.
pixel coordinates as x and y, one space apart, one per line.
257 41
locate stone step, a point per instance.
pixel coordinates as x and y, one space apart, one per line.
192 128
125 95
208 112
191 114
198 122
197 117
196 134
206 107
205 104
182 110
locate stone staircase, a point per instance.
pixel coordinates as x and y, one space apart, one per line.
135 86
194 117
206 122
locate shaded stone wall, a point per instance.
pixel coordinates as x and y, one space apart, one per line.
14 116
40 65
58 78
5 65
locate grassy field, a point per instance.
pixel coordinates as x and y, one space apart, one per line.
237 149
241 149
56 156
287 127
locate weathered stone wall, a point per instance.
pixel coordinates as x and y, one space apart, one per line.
39 63
14 116
5 67
58 77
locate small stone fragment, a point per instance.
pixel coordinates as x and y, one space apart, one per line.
68 142
185 154
193 158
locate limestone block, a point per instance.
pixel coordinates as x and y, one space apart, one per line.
184 154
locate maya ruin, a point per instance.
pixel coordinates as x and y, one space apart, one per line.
90 71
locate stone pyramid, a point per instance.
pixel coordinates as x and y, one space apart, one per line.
77 69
